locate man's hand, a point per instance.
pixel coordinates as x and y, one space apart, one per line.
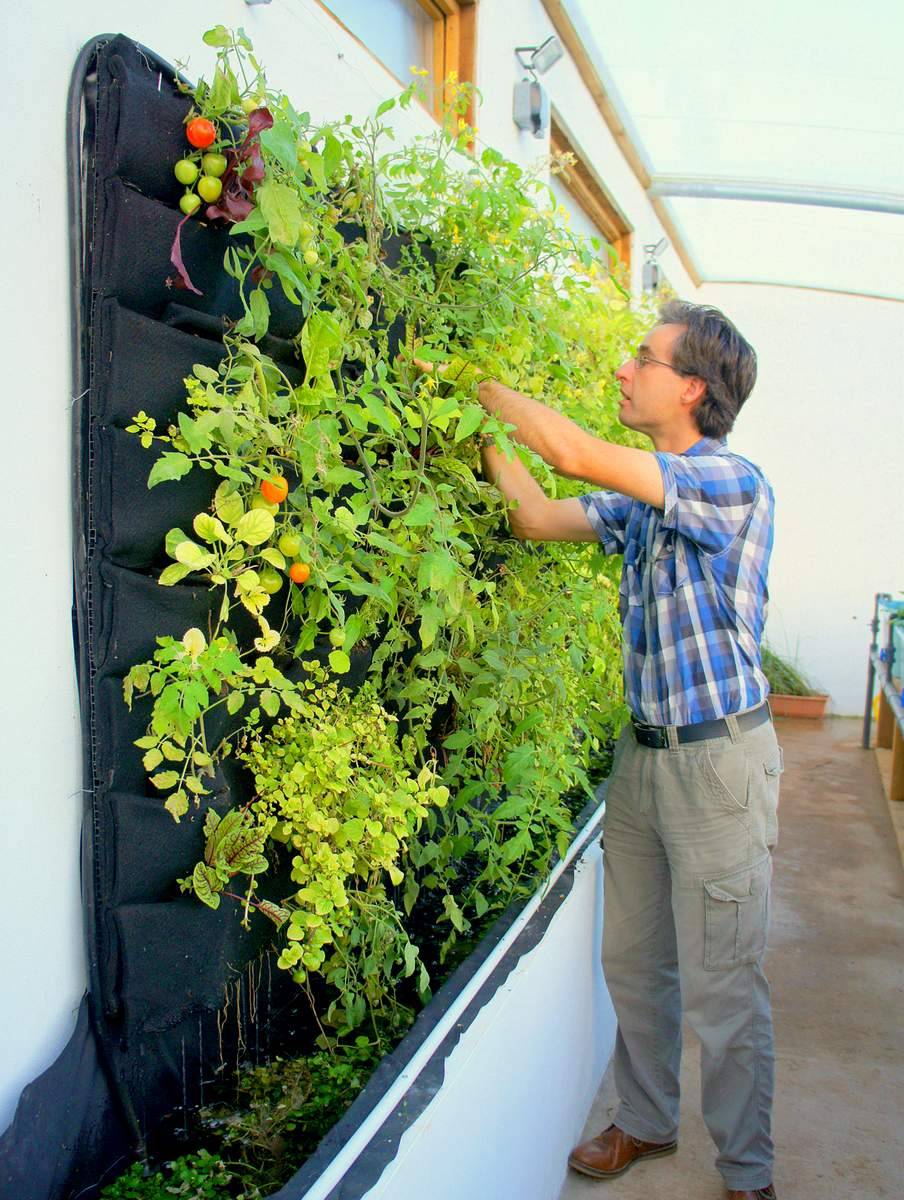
464 374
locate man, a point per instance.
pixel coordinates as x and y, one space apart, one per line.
692 800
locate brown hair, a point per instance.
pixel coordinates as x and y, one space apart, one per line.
712 349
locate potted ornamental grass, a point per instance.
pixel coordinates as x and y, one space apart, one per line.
790 692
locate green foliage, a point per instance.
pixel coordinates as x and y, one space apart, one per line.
784 678
200 1176
336 783
496 668
282 1110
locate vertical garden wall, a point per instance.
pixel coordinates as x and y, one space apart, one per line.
330 709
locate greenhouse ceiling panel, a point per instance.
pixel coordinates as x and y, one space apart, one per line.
774 134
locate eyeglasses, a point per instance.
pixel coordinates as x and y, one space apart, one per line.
642 359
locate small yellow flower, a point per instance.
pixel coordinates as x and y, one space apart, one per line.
419 71
453 76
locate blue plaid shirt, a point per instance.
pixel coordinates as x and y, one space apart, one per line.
693 588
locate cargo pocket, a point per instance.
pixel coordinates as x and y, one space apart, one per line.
736 916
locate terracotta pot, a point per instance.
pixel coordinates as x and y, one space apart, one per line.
797 706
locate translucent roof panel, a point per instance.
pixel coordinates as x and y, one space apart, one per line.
755 242
787 93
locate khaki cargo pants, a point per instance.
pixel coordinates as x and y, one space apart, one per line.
687 842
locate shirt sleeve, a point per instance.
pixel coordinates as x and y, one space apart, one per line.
607 513
708 498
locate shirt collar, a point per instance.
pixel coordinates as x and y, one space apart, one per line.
707 445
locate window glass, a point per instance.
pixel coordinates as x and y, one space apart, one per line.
398 32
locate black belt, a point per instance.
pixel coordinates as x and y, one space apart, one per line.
657 736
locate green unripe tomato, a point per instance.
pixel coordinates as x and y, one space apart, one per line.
213 164
189 203
311 257
186 171
249 104
305 231
337 638
271 580
290 545
259 502
209 188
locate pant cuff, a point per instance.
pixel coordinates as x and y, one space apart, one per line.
745 1183
631 1127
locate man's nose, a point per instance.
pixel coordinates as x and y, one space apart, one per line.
624 371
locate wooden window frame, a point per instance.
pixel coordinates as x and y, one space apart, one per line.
454 44
581 181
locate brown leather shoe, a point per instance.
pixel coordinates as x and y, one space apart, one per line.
766 1193
613 1151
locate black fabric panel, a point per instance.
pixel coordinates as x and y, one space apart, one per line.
132 255
66 1123
141 363
133 519
150 851
178 955
132 261
119 761
134 609
142 117
281 349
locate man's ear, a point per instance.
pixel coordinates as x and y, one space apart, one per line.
694 391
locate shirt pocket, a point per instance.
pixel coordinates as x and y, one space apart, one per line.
669 570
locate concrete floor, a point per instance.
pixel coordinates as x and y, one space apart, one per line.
836 966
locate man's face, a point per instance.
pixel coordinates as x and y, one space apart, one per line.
651 392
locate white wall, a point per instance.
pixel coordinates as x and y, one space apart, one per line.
518 1086
826 423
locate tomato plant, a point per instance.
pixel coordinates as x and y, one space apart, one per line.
500 661
209 188
189 203
275 490
201 132
186 171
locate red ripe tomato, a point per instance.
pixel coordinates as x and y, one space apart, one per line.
201 132
299 572
275 490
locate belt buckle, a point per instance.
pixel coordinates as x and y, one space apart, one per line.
653 736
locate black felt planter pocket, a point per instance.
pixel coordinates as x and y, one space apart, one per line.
133 519
133 264
178 955
150 850
140 364
132 256
140 118
135 610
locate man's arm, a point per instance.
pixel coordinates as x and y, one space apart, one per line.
573 452
537 518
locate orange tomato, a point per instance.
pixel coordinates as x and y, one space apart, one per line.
275 490
201 132
299 572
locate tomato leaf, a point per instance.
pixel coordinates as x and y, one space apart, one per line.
169 466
